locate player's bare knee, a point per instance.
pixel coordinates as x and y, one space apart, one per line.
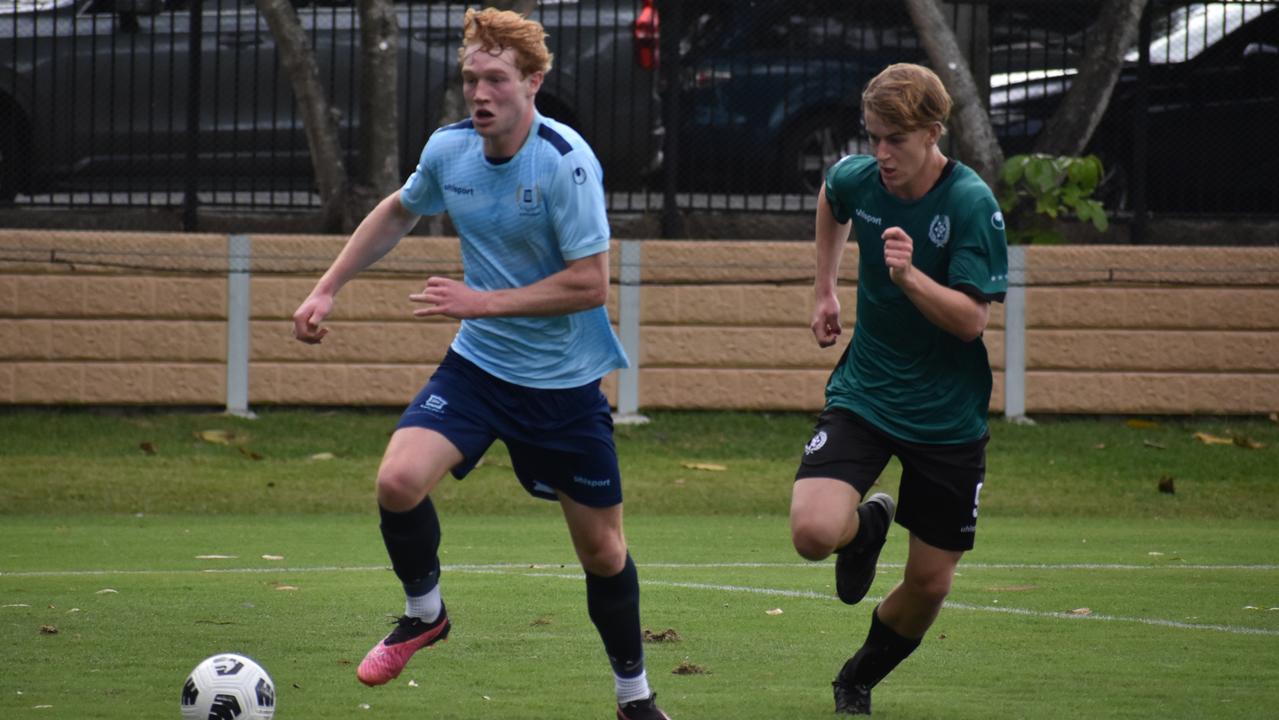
929 587
398 490
813 541
603 560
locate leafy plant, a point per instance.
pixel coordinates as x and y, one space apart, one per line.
1036 190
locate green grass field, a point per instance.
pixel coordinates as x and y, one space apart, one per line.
1090 594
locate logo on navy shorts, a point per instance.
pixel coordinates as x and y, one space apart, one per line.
434 404
817 443
588 482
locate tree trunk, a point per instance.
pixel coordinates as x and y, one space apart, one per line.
1075 120
318 119
379 106
974 136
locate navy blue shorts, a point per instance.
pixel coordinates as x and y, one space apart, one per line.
558 439
940 484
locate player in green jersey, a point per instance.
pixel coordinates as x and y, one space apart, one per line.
914 381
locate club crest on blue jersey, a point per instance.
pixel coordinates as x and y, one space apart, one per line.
579 175
939 230
529 200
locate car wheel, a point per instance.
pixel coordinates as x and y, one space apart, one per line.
812 146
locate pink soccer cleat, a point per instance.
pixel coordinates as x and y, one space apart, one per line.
387 659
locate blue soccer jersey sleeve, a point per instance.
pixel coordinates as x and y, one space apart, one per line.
576 205
421 192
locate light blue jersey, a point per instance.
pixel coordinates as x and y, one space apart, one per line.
520 221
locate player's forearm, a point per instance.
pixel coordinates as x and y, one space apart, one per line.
831 237
951 310
376 235
581 286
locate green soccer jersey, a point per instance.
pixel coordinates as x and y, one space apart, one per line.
902 373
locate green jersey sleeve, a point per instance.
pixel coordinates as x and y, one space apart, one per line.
979 256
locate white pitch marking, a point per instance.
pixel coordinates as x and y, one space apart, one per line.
505 568
808 594
666 566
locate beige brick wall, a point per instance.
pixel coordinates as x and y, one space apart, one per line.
135 318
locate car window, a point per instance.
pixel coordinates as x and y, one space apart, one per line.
827 25
1196 28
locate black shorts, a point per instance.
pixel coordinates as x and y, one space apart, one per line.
940 484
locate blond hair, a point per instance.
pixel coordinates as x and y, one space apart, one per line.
907 96
496 30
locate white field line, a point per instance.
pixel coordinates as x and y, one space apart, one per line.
523 569
665 566
1024 612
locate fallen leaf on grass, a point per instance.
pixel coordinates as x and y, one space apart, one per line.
1207 439
16 605
1167 485
1099 446
148 448
1153 444
216 437
1139 424
688 668
323 456
48 629
107 591
1248 443
774 611
709 467
272 557
412 683
216 557
1081 612
1154 553
250 454
544 620
667 635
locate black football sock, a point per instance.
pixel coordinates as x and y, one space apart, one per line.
883 650
613 604
413 541
870 523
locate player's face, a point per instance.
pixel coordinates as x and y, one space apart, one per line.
902 155
498 95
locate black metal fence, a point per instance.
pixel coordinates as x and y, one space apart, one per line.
146 103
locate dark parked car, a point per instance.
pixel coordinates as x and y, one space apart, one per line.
1213 100
771 90
93 89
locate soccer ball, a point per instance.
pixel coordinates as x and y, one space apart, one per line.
228 687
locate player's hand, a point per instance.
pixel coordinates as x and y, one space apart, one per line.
825 325
898 249
448 297
309 315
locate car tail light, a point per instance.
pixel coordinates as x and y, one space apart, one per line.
647 35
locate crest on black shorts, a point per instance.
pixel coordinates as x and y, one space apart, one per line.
817 443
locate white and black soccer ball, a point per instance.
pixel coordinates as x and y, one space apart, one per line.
228 687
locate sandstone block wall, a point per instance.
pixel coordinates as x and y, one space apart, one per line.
135 318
